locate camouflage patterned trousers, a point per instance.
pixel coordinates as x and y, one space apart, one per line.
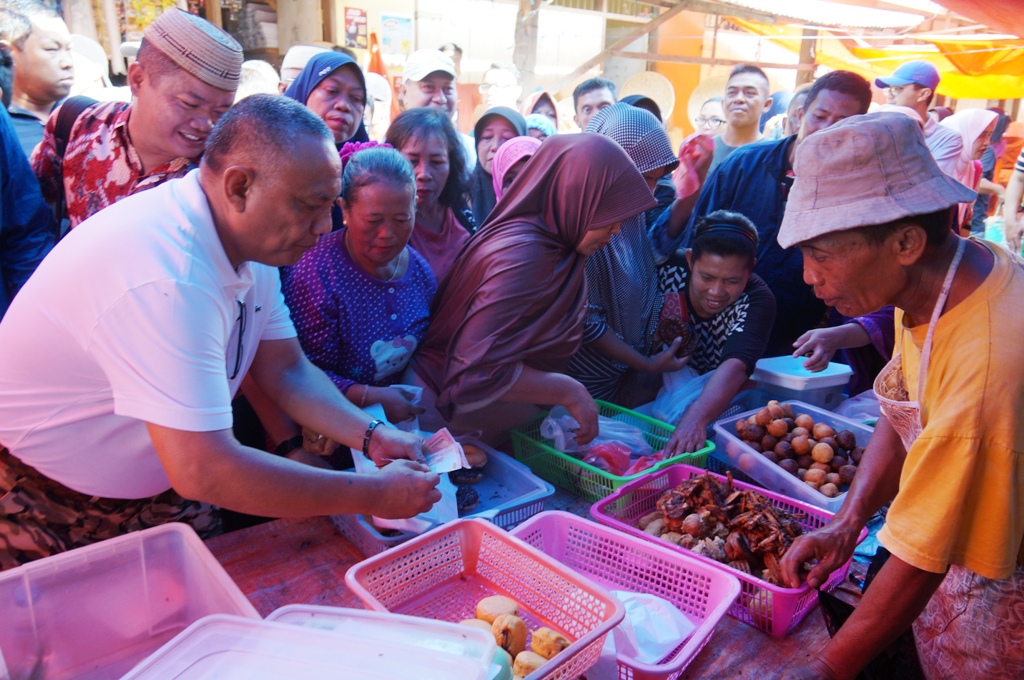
40 517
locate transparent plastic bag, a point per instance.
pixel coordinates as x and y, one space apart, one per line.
679 389
561 428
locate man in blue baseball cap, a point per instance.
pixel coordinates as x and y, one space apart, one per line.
913 85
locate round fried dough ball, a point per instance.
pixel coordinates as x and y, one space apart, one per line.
778 428
815 476
829 490
822 453
822 430
494 606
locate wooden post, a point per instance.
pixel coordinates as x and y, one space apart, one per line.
213 14
298 22
525 54
808 49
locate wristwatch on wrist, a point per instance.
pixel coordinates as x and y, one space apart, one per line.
288 445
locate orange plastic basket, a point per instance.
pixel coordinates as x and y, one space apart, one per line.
443 573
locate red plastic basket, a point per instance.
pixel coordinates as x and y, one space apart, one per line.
765 606
443 573
617 560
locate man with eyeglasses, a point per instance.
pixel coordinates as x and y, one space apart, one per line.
913 85
116 388
755 182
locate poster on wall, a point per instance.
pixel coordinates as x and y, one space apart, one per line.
396 35
355 27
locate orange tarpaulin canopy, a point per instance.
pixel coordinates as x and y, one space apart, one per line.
969 69
1000 15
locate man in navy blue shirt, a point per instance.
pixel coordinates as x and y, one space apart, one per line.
26 222
755 181
43 67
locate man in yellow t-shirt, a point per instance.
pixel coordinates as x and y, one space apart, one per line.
872 214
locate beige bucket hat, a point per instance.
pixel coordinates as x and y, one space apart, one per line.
862 171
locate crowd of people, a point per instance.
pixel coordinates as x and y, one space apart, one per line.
286 253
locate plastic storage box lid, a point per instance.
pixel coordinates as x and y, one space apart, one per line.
229 647
790 372
436 636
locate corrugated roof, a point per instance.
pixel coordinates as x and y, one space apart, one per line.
823 13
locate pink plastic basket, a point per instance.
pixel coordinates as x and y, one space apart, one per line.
443 573
765 606
620 561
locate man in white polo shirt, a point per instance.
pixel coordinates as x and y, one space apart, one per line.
123 351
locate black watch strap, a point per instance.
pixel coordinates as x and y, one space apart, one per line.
289 445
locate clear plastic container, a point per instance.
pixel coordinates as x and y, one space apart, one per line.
96 611
234 648
738 454
408 631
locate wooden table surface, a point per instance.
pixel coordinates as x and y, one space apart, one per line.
303 561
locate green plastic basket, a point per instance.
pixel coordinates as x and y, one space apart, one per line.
584 479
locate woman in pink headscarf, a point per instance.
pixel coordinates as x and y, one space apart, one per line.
976 127
509 160
509 315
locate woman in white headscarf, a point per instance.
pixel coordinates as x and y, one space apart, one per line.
976 127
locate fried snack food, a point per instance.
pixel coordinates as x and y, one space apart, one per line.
509 632
526 663
548 643
475 456
466 499
465 476
491 607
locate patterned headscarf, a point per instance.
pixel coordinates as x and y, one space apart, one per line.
621 277
507 155
639 133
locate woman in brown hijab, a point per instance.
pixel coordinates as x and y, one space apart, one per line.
509 315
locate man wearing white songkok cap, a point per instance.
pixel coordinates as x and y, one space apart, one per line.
295 59
182 82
